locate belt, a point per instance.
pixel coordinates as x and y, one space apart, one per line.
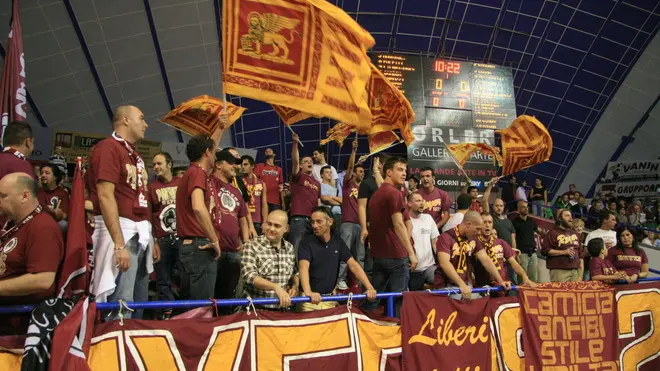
169 237
192 238
529 252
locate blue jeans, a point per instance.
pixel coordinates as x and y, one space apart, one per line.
418 279
198 269
299 227
390 275
169 256
132 285
229 274
350 233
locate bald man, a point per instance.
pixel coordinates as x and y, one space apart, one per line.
122 239
457 250
268 263
31 247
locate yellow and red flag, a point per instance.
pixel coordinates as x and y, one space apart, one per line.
289 115
201 115
338 133
306 55
463 151
382 140
526 142
389 107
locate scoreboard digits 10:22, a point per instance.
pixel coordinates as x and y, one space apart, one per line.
448 85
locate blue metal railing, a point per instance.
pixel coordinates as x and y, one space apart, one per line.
389 296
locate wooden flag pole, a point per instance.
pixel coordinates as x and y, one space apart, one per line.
293 132
364 158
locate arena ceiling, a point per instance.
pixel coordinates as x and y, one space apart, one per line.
568 57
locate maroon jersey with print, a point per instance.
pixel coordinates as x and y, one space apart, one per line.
601 267
163 206
58 198
231 208
435 202
186 222
384 242
499 252
461 257
349 203
562 239
273 178
255 188
627 259
305 193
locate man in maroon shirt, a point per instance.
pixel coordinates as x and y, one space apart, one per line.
500 254
476 204
457 248
563 250
19 144
349 229
118 181
305 195
391 247
229 215
436 201
256 188
162 191
31 247
273 177
53 196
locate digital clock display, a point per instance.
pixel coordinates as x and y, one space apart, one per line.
445 66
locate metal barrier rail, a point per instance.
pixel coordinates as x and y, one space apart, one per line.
389 296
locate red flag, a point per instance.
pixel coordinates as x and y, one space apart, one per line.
72 338
74 277
13 100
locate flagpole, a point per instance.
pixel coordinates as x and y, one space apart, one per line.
363 158
451 155
293 132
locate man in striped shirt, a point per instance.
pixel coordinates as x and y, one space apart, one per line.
268 263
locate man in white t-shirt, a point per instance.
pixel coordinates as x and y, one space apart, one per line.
424 234
463 203
319 163
606 230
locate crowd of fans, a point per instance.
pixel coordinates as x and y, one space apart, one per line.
226 227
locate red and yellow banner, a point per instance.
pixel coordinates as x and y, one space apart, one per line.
525 143
463 151
201 115
309 56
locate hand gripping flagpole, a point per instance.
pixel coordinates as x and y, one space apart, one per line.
364 158
293 132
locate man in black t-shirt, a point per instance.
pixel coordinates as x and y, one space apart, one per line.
319 257
526 228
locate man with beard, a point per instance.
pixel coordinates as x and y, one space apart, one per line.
349 229
457 250
305 195
606 230
526 229
500 254
564 251
258 194
237 182
319 257
19 144
53 196
319 163
273 177
268 263
229 214
391 247
437 201
163 218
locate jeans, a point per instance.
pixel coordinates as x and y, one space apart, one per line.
257 227
350 234
272 207
198 269
530 265
229 273
418 279
538 207
169 256
299 227
390 275
132 285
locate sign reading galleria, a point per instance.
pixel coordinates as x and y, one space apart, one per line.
572 327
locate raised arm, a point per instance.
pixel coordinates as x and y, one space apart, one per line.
295 155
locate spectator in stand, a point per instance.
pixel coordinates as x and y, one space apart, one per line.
651 239
526 229
463 203
500 254
319 163
58 160
123 245
627 256
563 250
562 202
436 201
539 197
272 176
508 193
268 263
350 229
319 257
31 247
503 225
522 191
635 215
580 208
200 247
367 188
621 216
178 171
237 182
19 144
605 231
601 269
229 214
611 206
331 196
572 194
457 250
475 204
578 227
425 235
163 219
413 183
305 195
54 196
258 192
594 214
392 250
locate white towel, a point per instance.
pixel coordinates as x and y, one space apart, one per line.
105 269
